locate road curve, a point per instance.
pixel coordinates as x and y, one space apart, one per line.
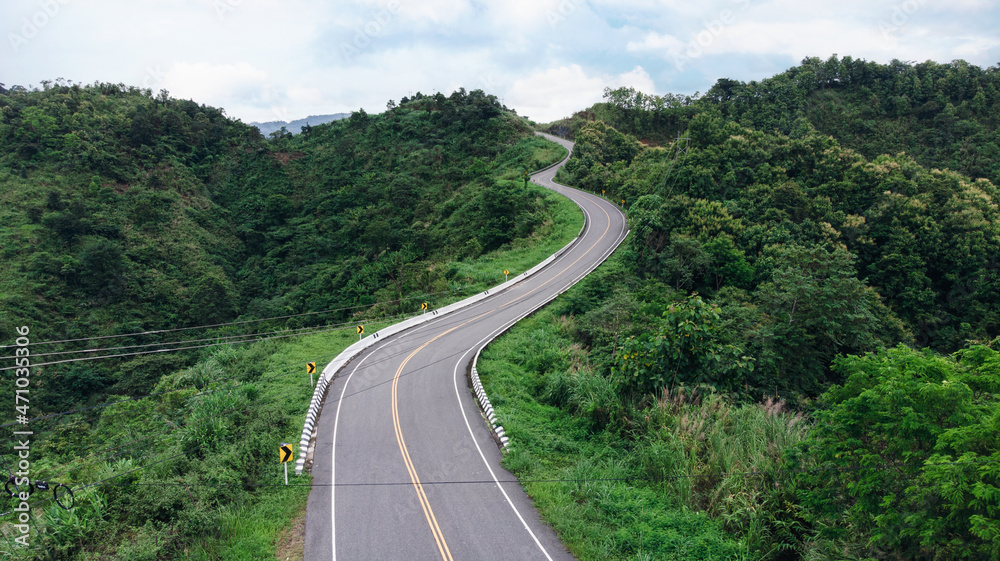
405 466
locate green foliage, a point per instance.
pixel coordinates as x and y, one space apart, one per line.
888 251
902 459
789 204
818 309
127 214
684 351
667 479
164 214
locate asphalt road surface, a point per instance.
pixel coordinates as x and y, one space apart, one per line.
405 467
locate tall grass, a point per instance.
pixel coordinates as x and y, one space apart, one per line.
685 476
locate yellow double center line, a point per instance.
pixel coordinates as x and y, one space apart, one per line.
424 503
414 478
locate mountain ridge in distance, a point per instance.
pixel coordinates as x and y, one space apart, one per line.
295 126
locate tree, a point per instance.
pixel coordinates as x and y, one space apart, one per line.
686 350
902 460
37 131
817 309
729 264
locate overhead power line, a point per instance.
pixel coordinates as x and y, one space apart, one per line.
227 324
274 374
193 347
189 341
880 467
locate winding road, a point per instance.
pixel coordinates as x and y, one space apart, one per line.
404 465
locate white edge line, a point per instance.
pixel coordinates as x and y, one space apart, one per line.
486 463
623 234
333 463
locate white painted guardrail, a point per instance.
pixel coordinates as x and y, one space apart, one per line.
331 369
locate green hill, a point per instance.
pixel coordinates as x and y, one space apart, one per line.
794 355
123 212
944 116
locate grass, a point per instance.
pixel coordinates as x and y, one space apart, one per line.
619 481
575 475
487 270
276 517
230 410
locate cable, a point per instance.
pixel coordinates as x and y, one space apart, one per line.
137 398
241 322
141 353
188 341
110 403
883 467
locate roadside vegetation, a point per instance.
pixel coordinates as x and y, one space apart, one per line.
124 213
794 355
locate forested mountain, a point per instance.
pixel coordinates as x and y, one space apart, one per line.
133 224
945 116
799 339
124 212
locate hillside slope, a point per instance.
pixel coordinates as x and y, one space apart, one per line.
123 212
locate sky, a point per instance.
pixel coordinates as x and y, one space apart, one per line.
267 60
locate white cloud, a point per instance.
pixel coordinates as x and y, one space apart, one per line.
519 16
216 83
559 92
637 78
975 47
547 58
436 12
656 43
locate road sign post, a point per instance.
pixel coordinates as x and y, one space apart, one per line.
285 455
505 273
361 331
311 369
424 307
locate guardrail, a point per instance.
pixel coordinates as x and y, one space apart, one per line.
330 370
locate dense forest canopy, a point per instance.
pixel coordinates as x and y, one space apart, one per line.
824 240
124 212
945 116
794 355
